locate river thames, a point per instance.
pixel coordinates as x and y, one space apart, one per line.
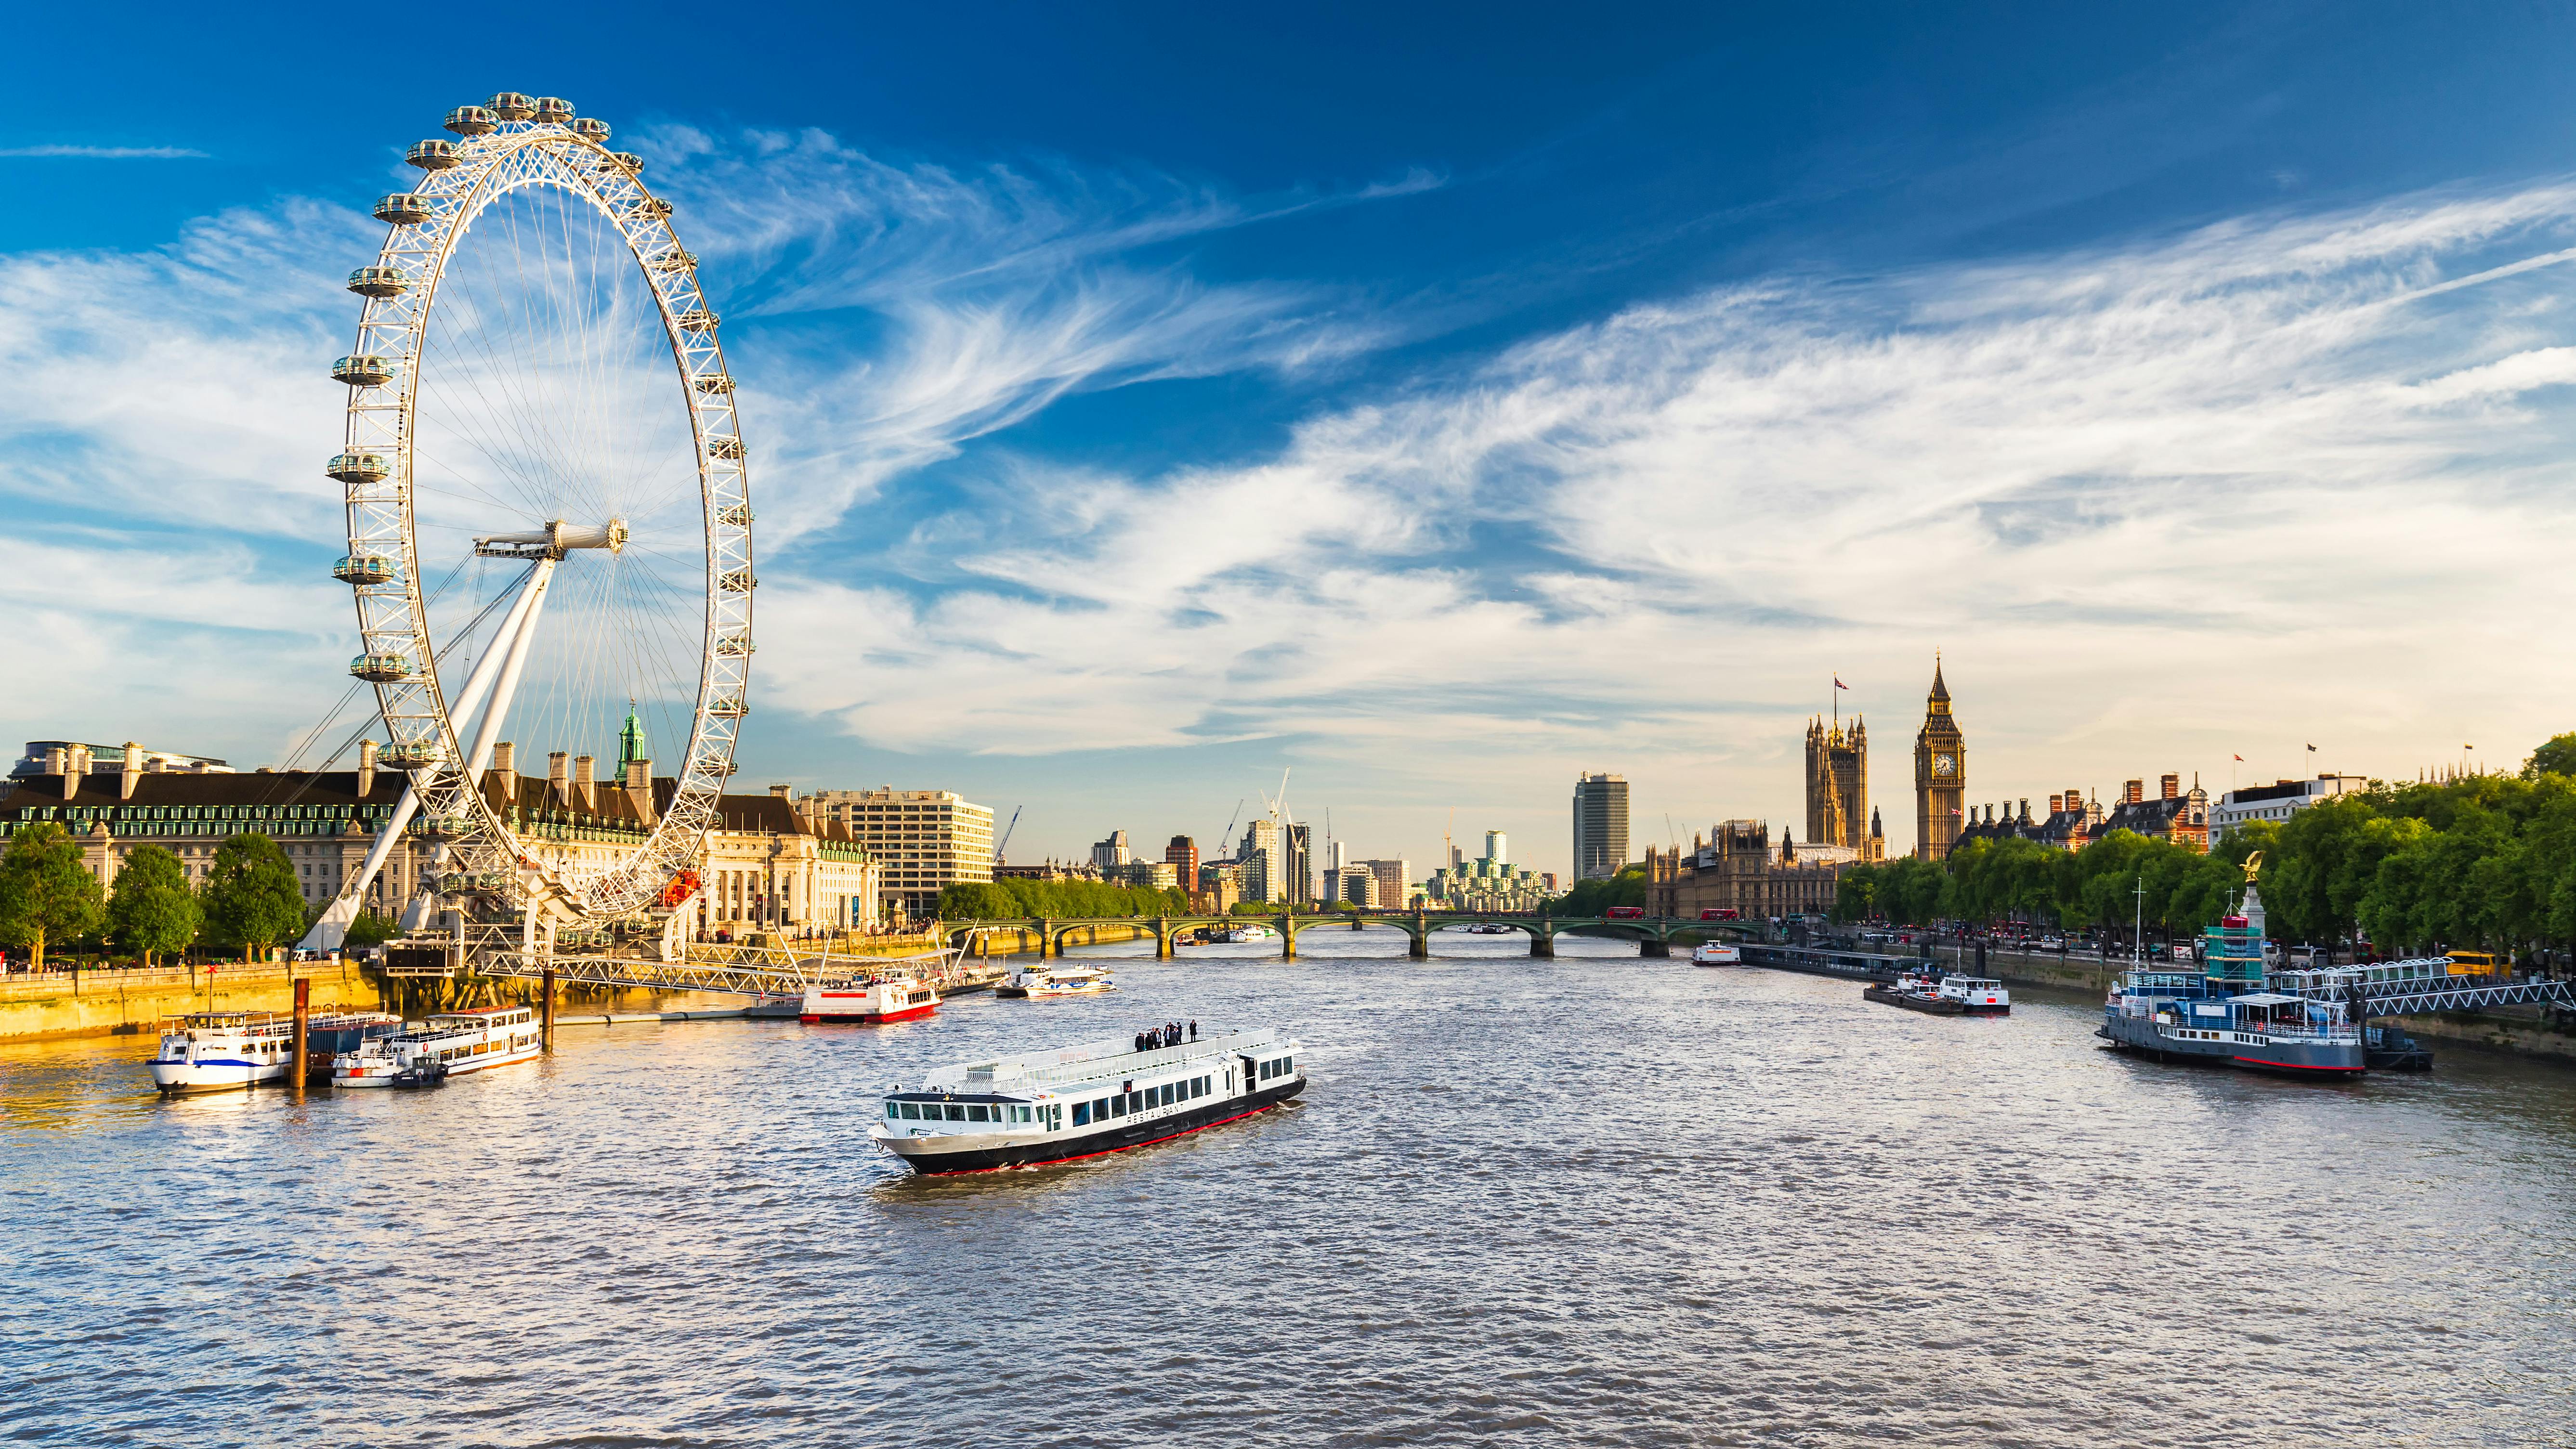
1599 1200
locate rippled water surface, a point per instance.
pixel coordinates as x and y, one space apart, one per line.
1599 1200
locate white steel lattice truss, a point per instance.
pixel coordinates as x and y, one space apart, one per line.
489 864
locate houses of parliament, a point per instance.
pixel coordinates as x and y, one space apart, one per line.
1838 782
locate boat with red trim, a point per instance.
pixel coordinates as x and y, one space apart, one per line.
2227 1014
871 1000
1082 1101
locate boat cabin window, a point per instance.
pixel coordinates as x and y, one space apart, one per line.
1082 1114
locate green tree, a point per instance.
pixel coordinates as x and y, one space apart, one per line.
369 929
1596 897
46 893
2556 757
152 911
251 897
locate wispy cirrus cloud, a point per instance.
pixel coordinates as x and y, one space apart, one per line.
109 153
2285 449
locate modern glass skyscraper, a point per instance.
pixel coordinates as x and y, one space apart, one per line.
1600 826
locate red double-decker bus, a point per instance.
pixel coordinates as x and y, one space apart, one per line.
1721 913
1626 913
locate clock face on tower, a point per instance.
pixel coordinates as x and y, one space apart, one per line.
1945 765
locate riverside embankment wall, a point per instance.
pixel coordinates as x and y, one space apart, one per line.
113 1003
128 1000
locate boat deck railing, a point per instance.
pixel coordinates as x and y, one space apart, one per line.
1092 1069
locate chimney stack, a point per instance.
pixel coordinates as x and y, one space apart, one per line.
2133 792
639 789
585 783
75 765
2173 787
2025 809
559 780
505 761
782 792
366 770
133 772
2056 803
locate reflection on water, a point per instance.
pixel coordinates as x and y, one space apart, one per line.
1595 1200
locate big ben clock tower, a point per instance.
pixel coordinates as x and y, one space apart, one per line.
1940 775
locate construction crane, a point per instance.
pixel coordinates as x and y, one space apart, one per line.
1005 842
1225 842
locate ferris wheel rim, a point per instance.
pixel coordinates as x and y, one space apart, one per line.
426 228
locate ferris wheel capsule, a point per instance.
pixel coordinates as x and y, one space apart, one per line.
363 371
403 208
727 448
407 755
734 515
654 206
696 319
633 163
511 106
737 581
471 121
365 570
434 154
716 383
381 669
359 467
380 281
553 110
676 260
591 130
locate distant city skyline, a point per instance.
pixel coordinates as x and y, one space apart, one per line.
1128 426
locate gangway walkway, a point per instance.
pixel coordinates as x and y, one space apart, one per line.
2416 999
736 970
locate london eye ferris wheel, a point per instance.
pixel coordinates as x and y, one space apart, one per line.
549 517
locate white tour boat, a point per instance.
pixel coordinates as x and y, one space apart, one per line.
1082 1101
874 999
455 1041
1242 934
216 1051
1717 953
1056 978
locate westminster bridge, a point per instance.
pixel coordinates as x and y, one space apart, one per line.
1048 935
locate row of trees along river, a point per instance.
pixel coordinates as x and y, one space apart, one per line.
2488 860
249 903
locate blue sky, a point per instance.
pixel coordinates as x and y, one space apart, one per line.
1438 400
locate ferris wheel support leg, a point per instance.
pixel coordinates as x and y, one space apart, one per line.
332 929
521 627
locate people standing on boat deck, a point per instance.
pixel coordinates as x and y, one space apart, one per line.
1194 1029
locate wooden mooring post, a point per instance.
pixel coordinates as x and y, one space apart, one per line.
303 1032
546 1012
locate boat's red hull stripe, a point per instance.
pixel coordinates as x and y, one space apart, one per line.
1104 1152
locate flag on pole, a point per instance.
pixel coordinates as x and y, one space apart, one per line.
2312 749
2240 759
1838 682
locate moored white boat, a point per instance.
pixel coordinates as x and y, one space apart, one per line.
872 1000
1082 1101
215 1051
460 1041
1717 953
1056 978
1977 995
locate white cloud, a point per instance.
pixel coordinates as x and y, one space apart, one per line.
2268 480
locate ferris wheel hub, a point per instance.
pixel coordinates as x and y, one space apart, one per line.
554 540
